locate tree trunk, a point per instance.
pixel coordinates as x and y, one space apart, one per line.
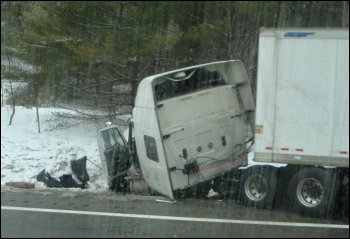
13 110
36 94
13 104
2 95
37 116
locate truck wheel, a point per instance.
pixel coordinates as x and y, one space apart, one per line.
258 186
311 192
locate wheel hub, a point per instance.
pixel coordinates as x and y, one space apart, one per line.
310 192
256 187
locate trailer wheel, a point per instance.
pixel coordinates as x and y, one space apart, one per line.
312 192
258 186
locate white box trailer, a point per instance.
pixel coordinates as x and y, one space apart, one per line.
302 109
302 120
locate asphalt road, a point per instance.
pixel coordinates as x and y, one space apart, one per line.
61 213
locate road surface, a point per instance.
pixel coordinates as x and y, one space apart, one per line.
62 213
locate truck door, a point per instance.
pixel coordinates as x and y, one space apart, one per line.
114 156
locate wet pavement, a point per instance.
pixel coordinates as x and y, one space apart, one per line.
108 214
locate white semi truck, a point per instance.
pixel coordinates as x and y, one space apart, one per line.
192 128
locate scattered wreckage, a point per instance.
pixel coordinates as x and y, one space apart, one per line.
66 180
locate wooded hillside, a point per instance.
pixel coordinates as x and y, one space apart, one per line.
94 53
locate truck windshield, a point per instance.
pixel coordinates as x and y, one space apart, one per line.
185 82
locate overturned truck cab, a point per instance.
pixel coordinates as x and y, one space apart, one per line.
190 126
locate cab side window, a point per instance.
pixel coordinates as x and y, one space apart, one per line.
151 148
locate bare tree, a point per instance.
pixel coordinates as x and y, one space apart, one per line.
13 103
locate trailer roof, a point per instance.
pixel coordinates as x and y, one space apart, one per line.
321 33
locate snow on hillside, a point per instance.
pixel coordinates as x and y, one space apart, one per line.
25 152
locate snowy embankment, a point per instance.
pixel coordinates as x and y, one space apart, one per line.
25 152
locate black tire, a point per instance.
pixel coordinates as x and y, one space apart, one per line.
312 192
258 186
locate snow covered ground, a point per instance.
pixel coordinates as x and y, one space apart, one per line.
25 152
